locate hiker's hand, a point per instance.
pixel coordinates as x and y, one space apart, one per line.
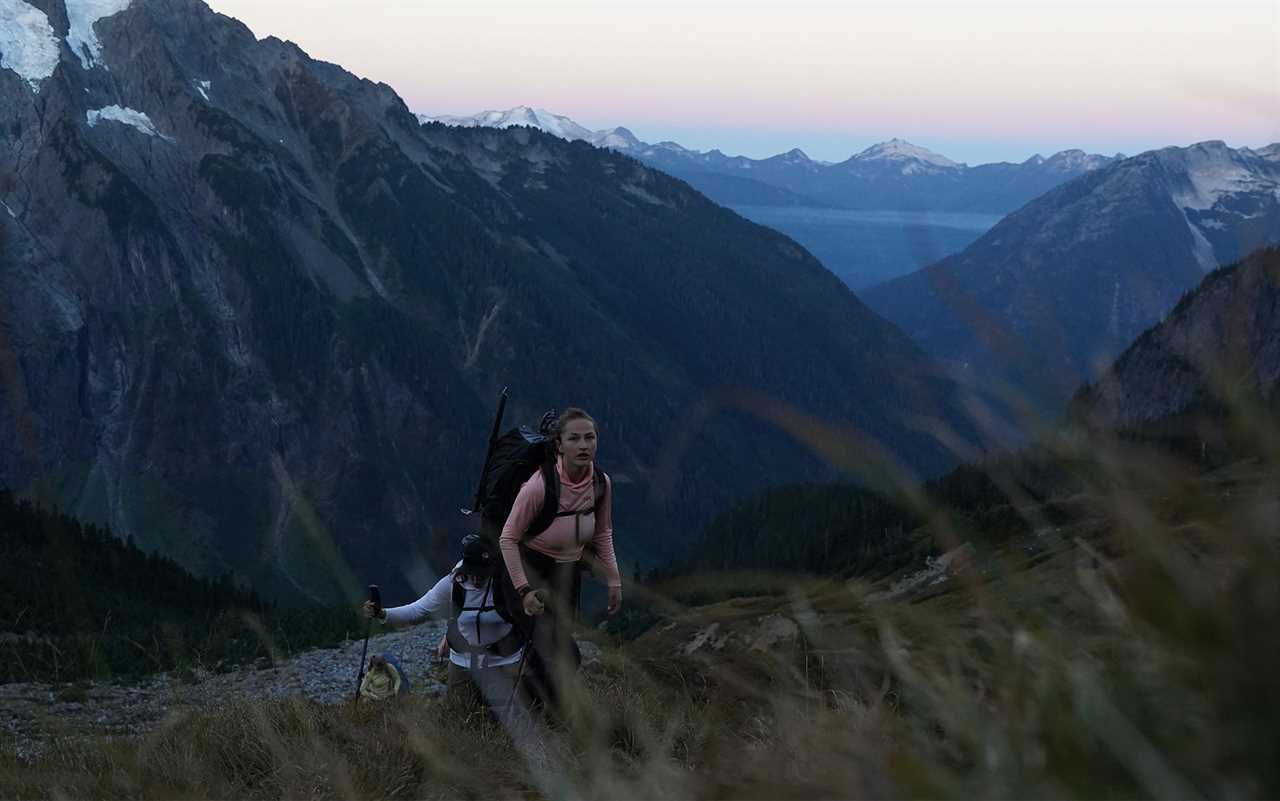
442 650
370 611
615 599
533 605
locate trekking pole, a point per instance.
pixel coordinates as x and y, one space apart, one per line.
376 597
524 655
488 456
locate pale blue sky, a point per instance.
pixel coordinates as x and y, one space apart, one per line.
976 81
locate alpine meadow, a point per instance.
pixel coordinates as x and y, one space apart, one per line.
712 435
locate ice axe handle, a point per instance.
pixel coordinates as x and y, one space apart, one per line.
493 441
376 596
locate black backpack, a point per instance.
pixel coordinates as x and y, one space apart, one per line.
517 455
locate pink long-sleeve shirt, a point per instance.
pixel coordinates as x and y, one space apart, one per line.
566 537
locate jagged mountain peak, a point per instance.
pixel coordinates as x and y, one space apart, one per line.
618 138
794 156
1076 160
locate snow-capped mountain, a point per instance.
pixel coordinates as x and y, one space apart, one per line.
555 124
1058 287
907 158
540 118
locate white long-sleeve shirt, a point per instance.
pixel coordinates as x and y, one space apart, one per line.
438 602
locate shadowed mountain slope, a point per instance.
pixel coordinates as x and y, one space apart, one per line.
1220 347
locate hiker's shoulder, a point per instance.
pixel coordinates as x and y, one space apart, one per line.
445 581
534 483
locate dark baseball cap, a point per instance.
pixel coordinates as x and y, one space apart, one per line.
478 557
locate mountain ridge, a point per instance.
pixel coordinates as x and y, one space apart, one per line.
1056 289
893 175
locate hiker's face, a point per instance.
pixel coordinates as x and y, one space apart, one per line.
578 442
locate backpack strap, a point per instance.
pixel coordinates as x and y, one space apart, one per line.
600 488
550 501
506 646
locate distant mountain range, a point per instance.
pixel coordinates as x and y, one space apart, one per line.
1050 295
890 176
254 313
890 209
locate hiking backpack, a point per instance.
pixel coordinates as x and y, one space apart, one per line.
516 456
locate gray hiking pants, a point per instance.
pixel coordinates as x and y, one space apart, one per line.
491 687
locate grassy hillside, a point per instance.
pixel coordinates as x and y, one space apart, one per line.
1116 647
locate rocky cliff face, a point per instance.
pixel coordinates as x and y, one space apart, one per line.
253 313
1221 345
1053 292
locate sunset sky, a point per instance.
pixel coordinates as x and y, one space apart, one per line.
975 81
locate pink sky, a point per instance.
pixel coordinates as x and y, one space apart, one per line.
976 81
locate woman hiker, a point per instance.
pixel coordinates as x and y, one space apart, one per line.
544 567
484 648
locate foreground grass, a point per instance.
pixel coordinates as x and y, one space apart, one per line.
1125 650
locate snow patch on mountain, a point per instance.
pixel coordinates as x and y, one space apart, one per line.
203 88
127 116
27 44
1213 172
81 16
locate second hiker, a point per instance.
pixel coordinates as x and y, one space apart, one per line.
484 647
